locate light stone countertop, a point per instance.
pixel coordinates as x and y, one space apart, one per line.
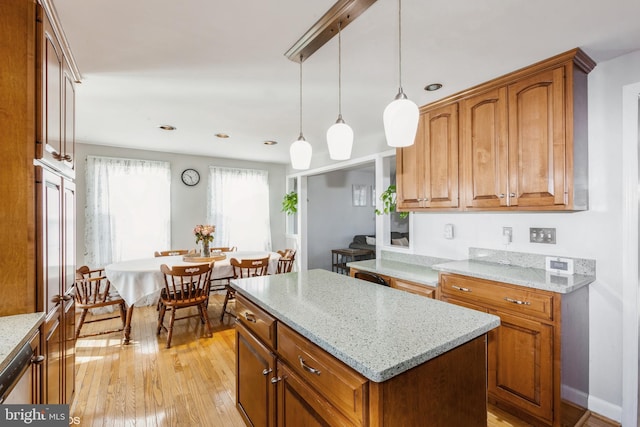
524 276
378 331
15 331
420 274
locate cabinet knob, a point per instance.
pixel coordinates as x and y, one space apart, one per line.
266 372
501 195
512 194
37 360
56 299
250 317
274 380
460 288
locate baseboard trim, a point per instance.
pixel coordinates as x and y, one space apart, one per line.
604 409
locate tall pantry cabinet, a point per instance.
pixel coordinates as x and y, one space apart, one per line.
37 219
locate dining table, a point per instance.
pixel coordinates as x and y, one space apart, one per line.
140 281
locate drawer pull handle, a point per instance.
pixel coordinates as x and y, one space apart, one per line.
459 288
307 367
266 372
250 317
274 380
516 301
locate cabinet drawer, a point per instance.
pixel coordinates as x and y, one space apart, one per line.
414 288
531 302
339 384
256 320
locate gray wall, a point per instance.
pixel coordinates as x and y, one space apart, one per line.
333 217
188 204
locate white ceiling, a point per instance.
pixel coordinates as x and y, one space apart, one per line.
209 66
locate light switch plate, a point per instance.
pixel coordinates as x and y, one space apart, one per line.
559 265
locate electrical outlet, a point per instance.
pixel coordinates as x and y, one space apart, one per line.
507 235
448 231
542 235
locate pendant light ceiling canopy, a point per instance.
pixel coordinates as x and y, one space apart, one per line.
401 115
340 134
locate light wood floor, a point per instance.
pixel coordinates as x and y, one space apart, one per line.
190 384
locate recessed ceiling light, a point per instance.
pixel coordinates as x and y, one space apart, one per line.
433 86
167 127
222 135
270 142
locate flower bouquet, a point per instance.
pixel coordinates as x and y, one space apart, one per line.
204 234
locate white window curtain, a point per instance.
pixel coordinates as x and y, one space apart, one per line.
238 205
128 211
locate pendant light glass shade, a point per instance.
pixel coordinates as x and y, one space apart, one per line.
401 116
300 150
340 134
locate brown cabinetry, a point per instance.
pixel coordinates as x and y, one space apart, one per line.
427 171
522 141
528 362
38 226
404 285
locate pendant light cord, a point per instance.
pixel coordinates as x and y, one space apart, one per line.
400 44
301 137
339 70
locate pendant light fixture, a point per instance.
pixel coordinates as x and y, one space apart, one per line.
401 115
340 134
300 150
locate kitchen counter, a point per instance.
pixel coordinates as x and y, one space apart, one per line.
524 276
15 331
417 273
378 331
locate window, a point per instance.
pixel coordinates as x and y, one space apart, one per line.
238 205
128 212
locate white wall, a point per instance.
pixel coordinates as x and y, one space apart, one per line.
188 204
333 217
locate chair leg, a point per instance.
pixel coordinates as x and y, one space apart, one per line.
83 315
170 330
163 309
224 305
207 324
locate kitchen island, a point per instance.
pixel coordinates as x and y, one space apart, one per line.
350 352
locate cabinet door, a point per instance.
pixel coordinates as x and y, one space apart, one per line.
301 405
69 349
50 59
520 364
49 203
255 367
69 234
52 349
537 140
68 118
484 149
427 171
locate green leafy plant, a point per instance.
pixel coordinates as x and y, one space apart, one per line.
388 198
290 203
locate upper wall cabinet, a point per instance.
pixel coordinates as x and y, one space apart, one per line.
427 171
522 141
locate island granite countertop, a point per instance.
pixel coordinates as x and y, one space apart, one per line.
417 273
378 331
15 331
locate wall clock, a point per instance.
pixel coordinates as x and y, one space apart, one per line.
190 177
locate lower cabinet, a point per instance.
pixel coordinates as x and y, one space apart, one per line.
404 285
542 341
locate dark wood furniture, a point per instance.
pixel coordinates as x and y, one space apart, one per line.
92 290
517 142
184 287
38 226
340 258
286 261
173 252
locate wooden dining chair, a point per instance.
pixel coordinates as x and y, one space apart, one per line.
174 252
184 286
92 290
286 261
241 269
225 249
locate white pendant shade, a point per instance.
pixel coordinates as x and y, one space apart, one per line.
401 122
300 153
340 141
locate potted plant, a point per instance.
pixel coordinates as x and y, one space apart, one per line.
388 198
290 203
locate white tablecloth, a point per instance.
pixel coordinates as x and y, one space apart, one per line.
140 281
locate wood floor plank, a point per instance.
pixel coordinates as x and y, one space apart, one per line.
144 384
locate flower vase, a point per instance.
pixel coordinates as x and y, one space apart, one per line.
205 248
